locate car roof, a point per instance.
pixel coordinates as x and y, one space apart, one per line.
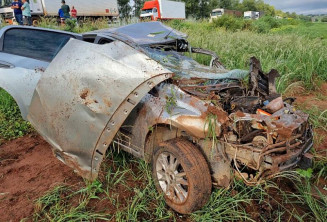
144 33
6 28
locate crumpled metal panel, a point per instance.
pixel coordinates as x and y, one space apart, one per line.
85 89
19 77
20 83
186 68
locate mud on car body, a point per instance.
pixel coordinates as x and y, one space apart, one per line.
133 86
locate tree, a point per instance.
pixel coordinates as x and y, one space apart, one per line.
138 5
225 4
266 8
249 5
204 10
191 7
235 4
293 15
124 8
213 4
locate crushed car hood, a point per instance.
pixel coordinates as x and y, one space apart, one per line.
151 38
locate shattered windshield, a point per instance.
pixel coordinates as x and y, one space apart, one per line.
146 33
186 68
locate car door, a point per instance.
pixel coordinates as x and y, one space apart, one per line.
25 54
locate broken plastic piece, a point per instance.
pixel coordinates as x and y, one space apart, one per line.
260 111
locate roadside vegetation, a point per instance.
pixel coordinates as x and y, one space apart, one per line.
11 123
297 57
125 190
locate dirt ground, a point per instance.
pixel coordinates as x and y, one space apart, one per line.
28 169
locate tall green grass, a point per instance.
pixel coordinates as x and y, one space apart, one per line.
11 123
297 58
124 175
81 26
310 30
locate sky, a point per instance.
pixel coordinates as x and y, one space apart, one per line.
300 6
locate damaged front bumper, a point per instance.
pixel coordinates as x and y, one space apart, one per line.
260 134
295 150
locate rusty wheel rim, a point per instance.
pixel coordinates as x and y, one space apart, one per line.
172 177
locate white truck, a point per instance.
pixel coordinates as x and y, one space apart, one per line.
85 8
218 12
253 15
163 10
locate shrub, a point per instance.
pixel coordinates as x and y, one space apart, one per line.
265 24
11 123
285 28
324 19
247 24
70 25
261 26
272 22
229 23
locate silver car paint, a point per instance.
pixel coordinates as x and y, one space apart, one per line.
86 94
19 76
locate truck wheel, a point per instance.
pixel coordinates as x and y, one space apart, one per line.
35 22
182 174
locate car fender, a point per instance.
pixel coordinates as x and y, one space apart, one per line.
20 83
85 95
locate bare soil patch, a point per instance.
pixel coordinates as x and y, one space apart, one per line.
312 99
27 170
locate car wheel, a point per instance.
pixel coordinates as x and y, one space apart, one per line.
181 173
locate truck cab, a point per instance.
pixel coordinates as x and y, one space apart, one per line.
5 11
150 11
218 12
163 10
252 15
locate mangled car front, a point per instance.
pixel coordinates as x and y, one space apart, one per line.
197 125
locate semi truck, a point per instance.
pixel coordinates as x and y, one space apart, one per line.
218 12
85 8
253 14
162 10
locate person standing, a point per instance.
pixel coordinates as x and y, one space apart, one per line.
65 9
17 5
74 13
27 13
61 16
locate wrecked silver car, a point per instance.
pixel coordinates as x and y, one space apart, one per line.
134 87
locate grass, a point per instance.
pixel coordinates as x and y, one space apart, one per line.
310 30
318 118
140 200
126 194
125 191
12 125
297 58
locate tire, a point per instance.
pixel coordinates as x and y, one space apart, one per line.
181 173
